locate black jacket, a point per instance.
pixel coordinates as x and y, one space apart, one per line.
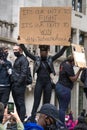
37 59
20 68
83 77
4 76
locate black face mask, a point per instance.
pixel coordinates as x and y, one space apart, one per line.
17 54
43 57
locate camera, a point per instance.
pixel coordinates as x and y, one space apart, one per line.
10 107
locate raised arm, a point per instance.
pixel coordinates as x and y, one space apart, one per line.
27 53
60 53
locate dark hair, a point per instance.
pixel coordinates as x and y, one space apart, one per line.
70 58
44 47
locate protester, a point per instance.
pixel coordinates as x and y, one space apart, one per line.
4 117
48 119
83 113
18 79
43 67
5 72
65 84
83 78
12 125
82 124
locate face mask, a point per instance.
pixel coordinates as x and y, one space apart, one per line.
17 54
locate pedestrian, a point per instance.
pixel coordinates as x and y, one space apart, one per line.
43 67
47 120
4 117
5 73
18 78
83 113
64 85
82 124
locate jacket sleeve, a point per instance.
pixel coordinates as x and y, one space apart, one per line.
83 75
27 53
20 126
60 53
24 68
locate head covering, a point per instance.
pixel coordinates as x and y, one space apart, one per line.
44 47
50 110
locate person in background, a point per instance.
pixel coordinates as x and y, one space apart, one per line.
43 67
83 78
4 117
5 73
18 79
83 113
64 85
82 124
48 119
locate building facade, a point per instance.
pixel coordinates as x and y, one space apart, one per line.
9 31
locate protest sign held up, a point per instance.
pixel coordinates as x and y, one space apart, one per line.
45 25
79 55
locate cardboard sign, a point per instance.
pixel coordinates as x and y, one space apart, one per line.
45 25
79 55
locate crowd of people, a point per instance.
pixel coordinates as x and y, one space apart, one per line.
13 78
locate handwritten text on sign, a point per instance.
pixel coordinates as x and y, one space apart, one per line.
45 25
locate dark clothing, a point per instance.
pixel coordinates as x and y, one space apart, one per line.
63 88
66 70
4 95
19 75
20 68
64 95
43 67
11 126
5 82
83 78
37 59
4 76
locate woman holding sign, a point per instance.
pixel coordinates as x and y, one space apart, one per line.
65 84
43 67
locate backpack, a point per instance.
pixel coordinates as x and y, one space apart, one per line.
29 77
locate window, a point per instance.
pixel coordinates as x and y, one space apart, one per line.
73 4
81 39
57 48
77 5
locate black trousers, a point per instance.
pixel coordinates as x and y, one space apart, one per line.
4 95
43 85
18 93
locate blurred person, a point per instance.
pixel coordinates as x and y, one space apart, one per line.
48 119
67 77
82 124
5 72
71 115
4 117
18 78
83 78
83 113
43 66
